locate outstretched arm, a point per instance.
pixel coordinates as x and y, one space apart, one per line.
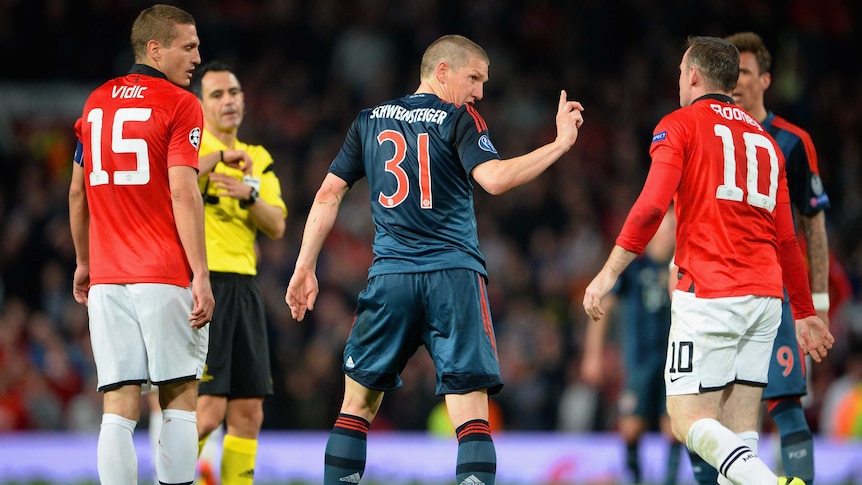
499 176
303 288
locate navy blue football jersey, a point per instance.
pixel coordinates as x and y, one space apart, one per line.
417 153
803 174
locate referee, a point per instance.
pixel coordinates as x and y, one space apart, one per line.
242 196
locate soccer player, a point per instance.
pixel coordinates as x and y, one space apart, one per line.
787 370
242 195
421 155
641 296
137 224
735 246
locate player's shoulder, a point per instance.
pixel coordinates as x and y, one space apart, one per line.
261 156
677 115
380 108
677 121
783 124
182 95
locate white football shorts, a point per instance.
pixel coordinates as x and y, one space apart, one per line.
141 332
714 342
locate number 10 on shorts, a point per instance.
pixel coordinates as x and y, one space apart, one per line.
680 356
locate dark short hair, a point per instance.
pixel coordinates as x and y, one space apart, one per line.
717 59
197 77
751 42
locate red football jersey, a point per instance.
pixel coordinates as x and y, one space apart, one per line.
133 129
731 179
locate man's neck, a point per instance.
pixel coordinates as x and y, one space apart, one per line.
759 113
228 138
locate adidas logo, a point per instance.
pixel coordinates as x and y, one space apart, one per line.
354 478
247 474
206 376
349 364
472 480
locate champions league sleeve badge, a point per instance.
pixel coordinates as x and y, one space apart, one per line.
485 144
195 137
816 184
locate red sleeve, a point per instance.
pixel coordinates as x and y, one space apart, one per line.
793 264
186 132
648 211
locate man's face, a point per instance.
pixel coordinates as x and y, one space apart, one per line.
751 84
178 60
222 101
466 83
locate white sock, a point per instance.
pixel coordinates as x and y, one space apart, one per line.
178 447
116 459
751 438
728 453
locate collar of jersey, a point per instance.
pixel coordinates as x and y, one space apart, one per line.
147 70
718 97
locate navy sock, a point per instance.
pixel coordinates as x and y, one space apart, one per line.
633 461
797 447
346 450
673 452
477 457
704 473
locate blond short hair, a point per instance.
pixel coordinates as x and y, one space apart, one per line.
455 50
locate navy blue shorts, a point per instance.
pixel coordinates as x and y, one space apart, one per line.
644 393
787 363
446 311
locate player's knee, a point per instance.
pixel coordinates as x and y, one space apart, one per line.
207 422
631 428
247 419
362 402
680 428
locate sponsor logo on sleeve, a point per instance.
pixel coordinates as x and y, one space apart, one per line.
659 136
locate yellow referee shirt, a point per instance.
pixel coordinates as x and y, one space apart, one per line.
230 232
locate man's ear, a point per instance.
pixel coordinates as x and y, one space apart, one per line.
693 76
154 49
765 80
441 73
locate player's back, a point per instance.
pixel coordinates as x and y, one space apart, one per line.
416 153
732 179
132 129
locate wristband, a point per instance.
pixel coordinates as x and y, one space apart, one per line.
221 156
821 301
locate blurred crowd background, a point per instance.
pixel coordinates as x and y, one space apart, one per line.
307 68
